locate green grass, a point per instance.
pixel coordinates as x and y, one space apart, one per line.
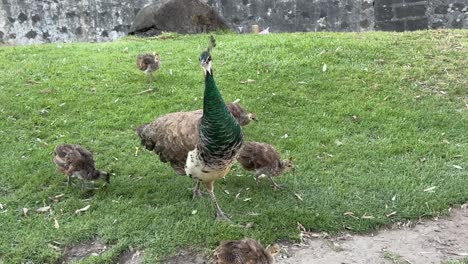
409 92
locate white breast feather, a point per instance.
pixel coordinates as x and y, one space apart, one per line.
195 166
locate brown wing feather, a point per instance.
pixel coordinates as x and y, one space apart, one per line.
173 136
245 251
148 62
70 158
255 155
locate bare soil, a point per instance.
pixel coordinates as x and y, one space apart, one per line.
82 251
436 240
133 256
431 241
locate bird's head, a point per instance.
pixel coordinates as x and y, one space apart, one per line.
252 117
205 62
288 164
156 56
105 176
273 249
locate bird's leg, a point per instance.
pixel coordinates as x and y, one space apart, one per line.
219 214
196 190
151 80
69 180
257 176
275 185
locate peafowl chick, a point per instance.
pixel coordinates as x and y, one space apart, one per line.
75 161
149 63
240 114
264 159
245 251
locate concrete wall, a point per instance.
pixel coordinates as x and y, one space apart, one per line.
39 21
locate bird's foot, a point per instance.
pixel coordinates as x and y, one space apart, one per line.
197 193
278 187
222 217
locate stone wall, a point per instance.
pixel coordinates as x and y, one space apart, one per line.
39 21
400 15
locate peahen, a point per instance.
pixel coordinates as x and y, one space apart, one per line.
263 158
77 162
220 139
245 251
201 144
173 147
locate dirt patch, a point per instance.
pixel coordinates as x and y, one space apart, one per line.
430 241
186 257
82 251
133 256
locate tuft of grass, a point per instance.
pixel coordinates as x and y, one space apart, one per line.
407 92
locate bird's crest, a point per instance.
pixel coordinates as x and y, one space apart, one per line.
205 57
212 44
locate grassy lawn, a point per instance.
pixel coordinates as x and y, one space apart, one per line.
404 151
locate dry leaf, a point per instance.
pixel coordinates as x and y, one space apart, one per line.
365 216
237 195
43 209
249 225
301 227
338 143
247 199
298 196
457 167
301 82
247 81
84 209
170 71
236 101
226 191
351 214
1 206
392 213
285 136
54 247
56 223
144 91
136 151
324 68
194 212
25 211
430 189
394 197
57 197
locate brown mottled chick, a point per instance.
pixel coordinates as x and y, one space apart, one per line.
76 161
240 114
245 251
264 159
149 63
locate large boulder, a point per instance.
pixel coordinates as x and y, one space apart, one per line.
181 16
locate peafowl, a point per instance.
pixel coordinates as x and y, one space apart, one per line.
76 161
264 159
240 114
245 251
149 63
202 144
173 147
220 139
